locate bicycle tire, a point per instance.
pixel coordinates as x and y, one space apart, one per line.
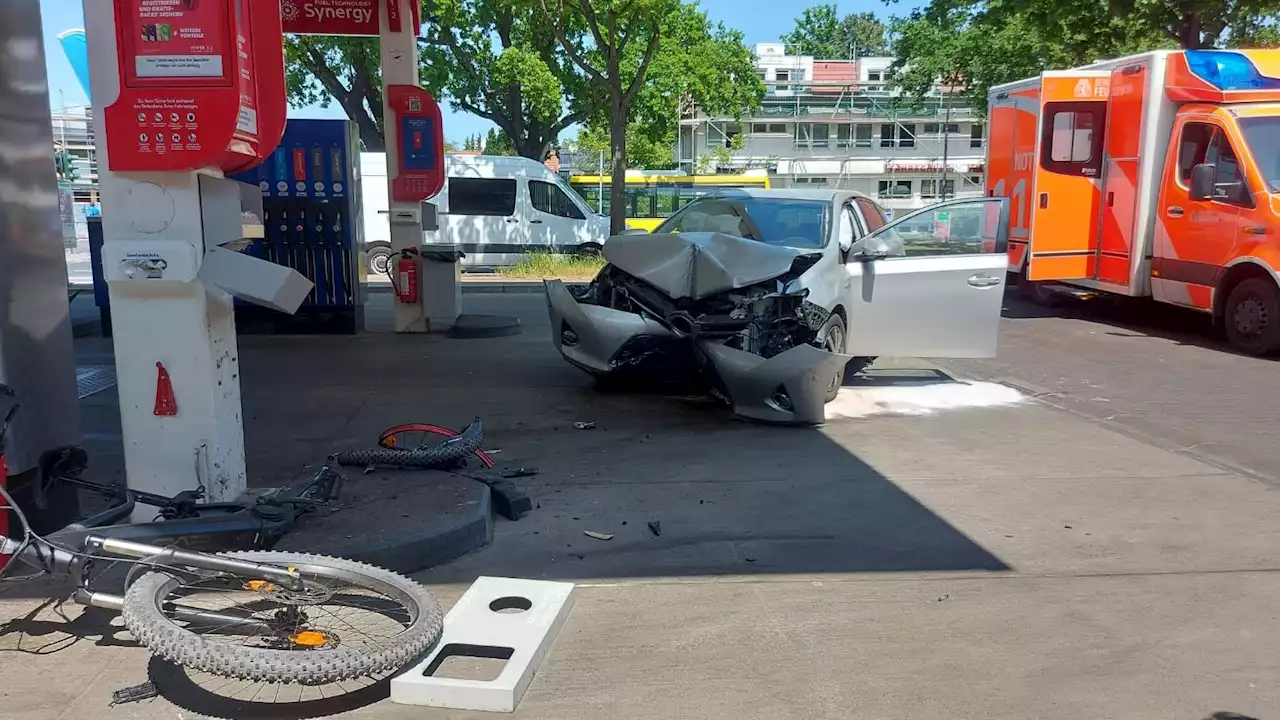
386 438
143 615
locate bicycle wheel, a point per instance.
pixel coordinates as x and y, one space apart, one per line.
411 436
350 620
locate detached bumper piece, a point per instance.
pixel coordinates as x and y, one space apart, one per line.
788 388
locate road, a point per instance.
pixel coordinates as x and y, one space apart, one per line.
1151 371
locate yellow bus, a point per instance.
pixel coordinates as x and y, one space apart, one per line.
653 198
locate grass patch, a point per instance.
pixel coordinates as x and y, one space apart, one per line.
546 265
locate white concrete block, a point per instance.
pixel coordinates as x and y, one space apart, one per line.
496 618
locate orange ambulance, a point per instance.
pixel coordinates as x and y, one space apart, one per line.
1156 175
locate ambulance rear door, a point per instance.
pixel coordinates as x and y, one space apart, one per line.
1067 193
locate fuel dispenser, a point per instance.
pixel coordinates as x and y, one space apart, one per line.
312 223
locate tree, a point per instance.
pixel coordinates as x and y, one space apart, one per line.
505 65
642 151
451 146
624 38
64 164
498 143
822 33
980 43
321 69
644 60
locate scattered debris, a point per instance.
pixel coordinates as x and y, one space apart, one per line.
1067 527
509 501
136 693
624 522
520 472
655 527
585 425
579 556
944 597
598 535
751 560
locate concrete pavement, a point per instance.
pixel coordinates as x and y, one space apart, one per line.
1157 372
1000 562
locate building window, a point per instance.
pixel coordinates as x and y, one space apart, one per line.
812 134
894 188
810 182
768 129
482 196
975 180
951 128
782 75
929 188
844 135
887 134
862 135
975 135
907 135
930 129
874 76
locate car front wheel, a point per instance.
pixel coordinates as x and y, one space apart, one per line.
379 260
833 337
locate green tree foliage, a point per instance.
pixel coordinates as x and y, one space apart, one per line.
642 151
822 33
322 69
646 60
980 43
505 65
497 142
64 164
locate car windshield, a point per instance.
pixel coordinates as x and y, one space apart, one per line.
1263 137
789 222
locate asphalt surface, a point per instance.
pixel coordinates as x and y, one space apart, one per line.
1157 372
1073 556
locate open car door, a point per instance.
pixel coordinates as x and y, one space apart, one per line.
930 284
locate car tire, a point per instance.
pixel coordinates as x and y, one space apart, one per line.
589 249
1252 317
834 335
378 260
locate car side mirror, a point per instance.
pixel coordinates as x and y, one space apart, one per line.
871 249
1202 181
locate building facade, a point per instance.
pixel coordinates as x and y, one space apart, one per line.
834 123
73 132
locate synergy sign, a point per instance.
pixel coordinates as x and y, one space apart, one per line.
339 17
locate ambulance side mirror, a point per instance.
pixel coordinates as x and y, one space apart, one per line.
1202 180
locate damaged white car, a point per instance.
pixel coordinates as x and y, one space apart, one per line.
767 298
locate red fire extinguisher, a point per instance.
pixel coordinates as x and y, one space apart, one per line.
406 277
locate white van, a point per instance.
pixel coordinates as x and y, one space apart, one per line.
495 208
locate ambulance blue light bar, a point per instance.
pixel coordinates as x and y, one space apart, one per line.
1229 70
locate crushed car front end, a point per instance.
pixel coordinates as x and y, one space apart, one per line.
728 314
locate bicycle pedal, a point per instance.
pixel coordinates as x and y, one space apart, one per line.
136 693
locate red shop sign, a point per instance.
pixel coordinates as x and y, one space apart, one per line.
341 17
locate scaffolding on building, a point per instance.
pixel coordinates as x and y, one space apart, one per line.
798 101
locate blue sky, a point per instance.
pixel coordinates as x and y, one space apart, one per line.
759 20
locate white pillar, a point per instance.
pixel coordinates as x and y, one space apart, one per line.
186 327
437 305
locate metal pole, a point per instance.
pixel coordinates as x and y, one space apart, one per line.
600 177
945 146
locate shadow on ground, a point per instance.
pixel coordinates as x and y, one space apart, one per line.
1131 317
682 488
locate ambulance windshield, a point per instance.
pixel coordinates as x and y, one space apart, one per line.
1263 136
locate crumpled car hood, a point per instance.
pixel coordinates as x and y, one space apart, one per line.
698 264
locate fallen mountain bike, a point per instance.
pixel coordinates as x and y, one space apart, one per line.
260 615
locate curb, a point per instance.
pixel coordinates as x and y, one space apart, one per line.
433 545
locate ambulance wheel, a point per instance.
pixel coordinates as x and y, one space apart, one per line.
379 260
1037 292
1252 317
